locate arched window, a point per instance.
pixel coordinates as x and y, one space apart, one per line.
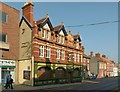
44 73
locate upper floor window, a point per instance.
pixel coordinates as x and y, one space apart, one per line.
3 17
58 54
48 35
78 57
81 58
74 56
58 39
41 51
63 55
63 39
48 52
3 37
69 57
77 45
43 33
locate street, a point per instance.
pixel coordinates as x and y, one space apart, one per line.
99 84
106 85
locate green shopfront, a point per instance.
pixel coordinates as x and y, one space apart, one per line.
6 67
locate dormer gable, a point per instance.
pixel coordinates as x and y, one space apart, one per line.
45 23
60 29
77 38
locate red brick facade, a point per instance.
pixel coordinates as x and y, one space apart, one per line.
11 29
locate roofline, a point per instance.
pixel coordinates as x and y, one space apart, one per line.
10 6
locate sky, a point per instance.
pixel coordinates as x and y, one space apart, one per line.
97 38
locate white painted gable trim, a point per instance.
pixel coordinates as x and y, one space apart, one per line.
46 26
61 32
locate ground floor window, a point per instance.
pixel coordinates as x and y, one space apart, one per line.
44 73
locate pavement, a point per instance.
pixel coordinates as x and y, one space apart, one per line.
32 88
26 87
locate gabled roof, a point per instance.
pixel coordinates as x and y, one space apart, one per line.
58 28
85 56
26 21
77 37
106 60
96 59
43 21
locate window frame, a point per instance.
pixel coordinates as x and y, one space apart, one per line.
43 34
41 49
48 52
75 57
57 54
1 38
58 39
63 55
1 17
63 40
78 57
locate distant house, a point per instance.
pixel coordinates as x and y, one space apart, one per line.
115 71
109 66
97 65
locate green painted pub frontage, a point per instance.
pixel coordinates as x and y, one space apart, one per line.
53 73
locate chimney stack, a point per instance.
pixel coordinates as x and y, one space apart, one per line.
91 54
27 11
97 55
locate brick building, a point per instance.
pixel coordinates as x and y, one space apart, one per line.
47 54
109 66
9 40
97 65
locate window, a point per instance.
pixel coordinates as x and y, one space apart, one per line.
81 58
70 57
78 57
26 75
63 39
41 51
48 52
58 39
58 54
3 17
63 55
3 37
43 33
88 67
74 56
48 35
77 45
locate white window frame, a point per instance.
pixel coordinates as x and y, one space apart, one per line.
81 58
57 54
75 57
63 39
48 52
63 55
58 39
77 45
42 49
78 57
48 35
43 35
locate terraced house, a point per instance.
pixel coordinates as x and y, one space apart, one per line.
47 54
